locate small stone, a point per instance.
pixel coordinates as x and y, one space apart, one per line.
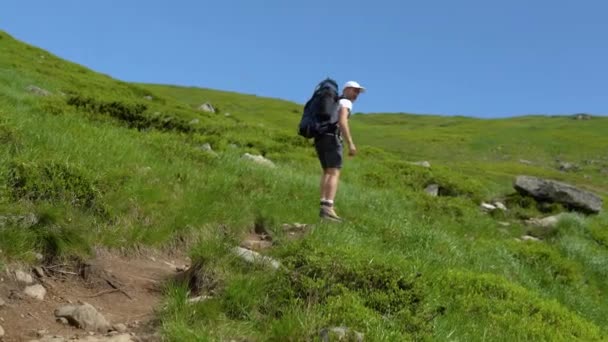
2 303
198 299
148 97
23 277
259 160
195 122
1 332
256 245
35 291
422 163
432 189
251 257
39 272
529 238
62 320
41 333
84 316
39 256
504 224
121 328
488 206
527 162
38 91
207 107
500 206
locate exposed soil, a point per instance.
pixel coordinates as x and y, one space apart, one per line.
125 289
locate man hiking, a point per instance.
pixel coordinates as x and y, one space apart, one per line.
329 150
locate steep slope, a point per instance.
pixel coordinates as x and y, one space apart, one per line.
100 162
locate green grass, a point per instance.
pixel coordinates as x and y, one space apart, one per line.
97 163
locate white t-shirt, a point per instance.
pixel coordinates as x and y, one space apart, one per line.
345 103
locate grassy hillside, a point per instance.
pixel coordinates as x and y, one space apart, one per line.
104 162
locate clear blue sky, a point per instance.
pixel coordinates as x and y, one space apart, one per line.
469 57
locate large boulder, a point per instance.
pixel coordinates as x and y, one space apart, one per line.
558 192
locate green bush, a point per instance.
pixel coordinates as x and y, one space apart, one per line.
54 182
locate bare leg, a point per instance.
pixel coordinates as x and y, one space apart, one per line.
330 186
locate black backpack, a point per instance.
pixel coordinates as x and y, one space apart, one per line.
320 113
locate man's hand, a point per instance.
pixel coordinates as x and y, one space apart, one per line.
352 150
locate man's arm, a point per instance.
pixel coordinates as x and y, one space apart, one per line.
345 129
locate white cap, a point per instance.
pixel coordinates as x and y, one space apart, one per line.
353 84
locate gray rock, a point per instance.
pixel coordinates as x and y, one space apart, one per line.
121 328
253 257
421 163
558 192
148 97
524 161
340 334
195 121
62 320
487 206
37 90
582 116
259 160
23 277
500 206
84 316
35 291
21 221
546 222
529 238
432 189
198 299
207 107
568 167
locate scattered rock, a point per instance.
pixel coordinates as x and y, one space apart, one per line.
582 116
432 189
558 192
39 256
421 163
38 91
207 107
504 224
2 303
500 206
148 97
488 206
121 328
198 299
23 277
256 245
568 167
114 338
195 122
39 272
22 221
84 316
259 159
524 161
546 222
62 320
1 332
252 257
529 238
35 291
340 334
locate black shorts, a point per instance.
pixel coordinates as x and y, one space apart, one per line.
329 150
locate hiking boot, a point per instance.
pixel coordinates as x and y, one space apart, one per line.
329 214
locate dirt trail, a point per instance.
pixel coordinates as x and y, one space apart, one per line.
126 290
